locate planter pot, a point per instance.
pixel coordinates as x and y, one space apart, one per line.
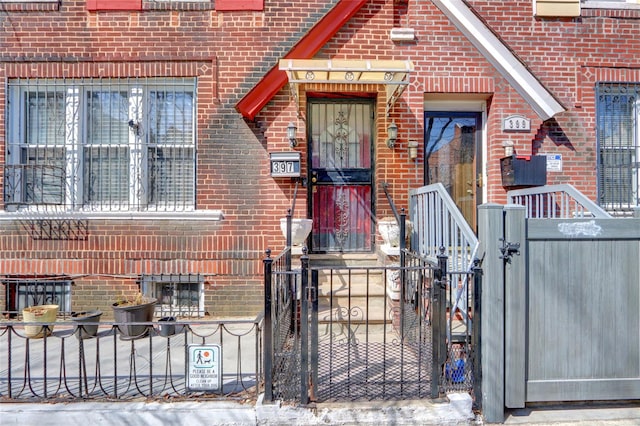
393 282
128 313
166 327
42 313
86 330
300 229
390 232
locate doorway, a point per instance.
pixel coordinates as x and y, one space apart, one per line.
341 174
452 156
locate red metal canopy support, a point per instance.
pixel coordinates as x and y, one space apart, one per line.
251 104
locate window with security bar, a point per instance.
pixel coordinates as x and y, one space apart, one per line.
178 295
618 133
100 145
21 294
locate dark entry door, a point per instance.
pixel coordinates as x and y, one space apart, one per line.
340 174
452 157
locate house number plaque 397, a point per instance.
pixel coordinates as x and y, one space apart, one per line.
285 164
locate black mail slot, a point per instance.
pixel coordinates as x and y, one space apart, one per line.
524 170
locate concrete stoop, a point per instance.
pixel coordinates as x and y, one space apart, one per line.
456 409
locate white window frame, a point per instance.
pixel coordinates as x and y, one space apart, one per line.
76 140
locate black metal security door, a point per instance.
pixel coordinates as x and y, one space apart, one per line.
341 177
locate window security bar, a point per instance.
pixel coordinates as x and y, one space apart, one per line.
22 294
618 138
100 145
179 295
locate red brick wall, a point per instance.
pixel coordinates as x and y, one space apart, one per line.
229 52
569 56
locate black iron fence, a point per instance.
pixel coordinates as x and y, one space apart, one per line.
101 360
282 357
400 331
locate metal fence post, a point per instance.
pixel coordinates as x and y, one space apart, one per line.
314 335
289 237
289 276
289 222
403 272
304 328
476 338
403 236
267 358
10 332
439 337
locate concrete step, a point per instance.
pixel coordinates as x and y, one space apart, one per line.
354 284
357 332
345 291
373 310
354 296
343 259
348 292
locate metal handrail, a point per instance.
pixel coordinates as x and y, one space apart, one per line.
438 223
556 201
385 188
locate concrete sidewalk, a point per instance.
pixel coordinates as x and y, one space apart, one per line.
454 410
618 414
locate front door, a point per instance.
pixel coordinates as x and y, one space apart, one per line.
340 174
452 157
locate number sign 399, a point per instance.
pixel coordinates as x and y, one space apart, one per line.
516 123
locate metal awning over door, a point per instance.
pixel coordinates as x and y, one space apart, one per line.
393 74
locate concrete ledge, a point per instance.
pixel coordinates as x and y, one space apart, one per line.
455 410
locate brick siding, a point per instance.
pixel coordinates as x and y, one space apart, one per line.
229 52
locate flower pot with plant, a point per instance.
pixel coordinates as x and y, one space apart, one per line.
390 232
42 314
139 309
87 323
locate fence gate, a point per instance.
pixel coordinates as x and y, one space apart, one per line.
346 333
565 324
583 288
282 340
365 346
